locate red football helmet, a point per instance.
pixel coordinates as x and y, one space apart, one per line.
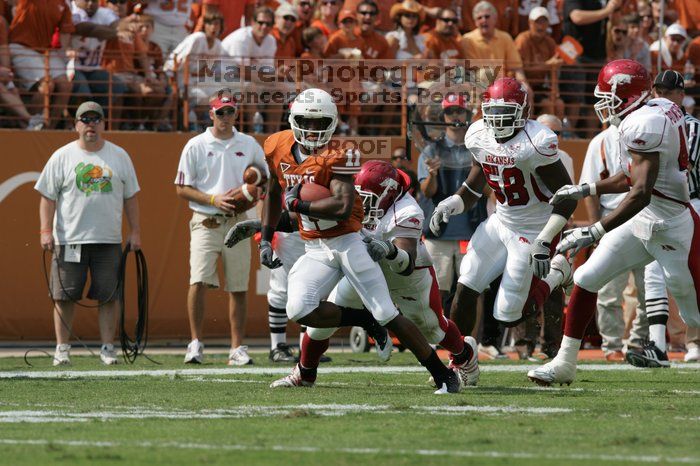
622 86
504 106
379 185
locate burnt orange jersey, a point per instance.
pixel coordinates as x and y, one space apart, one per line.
318 169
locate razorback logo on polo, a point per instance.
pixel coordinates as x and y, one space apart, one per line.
210 154
639 142
239 154
522 239
413 220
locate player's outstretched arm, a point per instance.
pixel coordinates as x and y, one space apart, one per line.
554 176
614 185
399 254
645 169
470 192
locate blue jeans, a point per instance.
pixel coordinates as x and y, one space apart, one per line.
95 85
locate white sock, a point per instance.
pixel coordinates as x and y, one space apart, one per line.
569 349
657 333
276 338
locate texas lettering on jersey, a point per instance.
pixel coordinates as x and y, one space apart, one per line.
318 169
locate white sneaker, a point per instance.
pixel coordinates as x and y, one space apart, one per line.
292 380
562 265
62 355
555 371
693 354
195 352
108 355
469 371
239 356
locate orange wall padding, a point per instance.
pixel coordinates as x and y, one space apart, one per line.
25 308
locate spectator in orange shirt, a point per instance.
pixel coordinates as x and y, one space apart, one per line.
486 42
688 15
693 59
507 10
443 41
383 20
31 32
539 54
377 46
285 32
305 10
405 42
326 16
671 50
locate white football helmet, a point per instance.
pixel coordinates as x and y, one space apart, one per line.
313 104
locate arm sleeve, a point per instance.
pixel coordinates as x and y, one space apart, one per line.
643 134
186 169
51 178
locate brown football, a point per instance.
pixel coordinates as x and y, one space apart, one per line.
245 197
254 175
313 192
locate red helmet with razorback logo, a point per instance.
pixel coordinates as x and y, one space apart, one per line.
622 86
504 107
379 185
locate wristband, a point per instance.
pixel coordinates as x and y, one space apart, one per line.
597 230
400 262
554 225
301 207
478 195
592 191
211 199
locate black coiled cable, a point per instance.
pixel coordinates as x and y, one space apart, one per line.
131 348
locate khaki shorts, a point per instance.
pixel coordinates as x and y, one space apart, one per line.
29 65
207 245
68 278
447 257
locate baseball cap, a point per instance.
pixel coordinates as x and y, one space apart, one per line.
538 12
345 14
454 100
676 30
285 9
89 106
222 100
670 80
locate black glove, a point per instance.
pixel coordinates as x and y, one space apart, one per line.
267 255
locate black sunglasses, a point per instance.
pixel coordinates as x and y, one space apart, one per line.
264 23
289 18
121 2
367 13
227 111
619 31
90 119
398 157
448 20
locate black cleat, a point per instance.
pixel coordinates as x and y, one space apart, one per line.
283 353
451 384
648 356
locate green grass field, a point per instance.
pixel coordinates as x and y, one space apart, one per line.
360 412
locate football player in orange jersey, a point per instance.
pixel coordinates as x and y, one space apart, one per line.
334 246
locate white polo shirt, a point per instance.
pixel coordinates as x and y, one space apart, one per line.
214 166
241 46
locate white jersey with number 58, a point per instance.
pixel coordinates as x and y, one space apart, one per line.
510 169
658 127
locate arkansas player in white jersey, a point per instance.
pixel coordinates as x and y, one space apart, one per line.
654 220
393 220
518 158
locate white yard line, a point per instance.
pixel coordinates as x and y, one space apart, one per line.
357 451
285 370
248 411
